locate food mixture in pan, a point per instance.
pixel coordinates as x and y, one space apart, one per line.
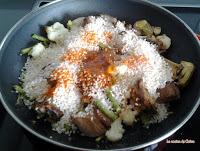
97 75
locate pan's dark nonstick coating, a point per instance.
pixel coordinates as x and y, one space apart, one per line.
184 47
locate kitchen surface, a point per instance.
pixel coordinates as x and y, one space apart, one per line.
13 137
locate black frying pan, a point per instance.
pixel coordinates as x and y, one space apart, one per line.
184 47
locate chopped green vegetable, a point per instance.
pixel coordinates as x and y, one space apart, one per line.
18 89
26 50
101 45
67 127
21 94
98 139
42 39
104 110
69 24
145 119
39 38
144 27
146 116
115 104
186 73
30 53
20 100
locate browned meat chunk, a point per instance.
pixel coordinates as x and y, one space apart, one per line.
86 21
144 95
52 112
90 126
141 97
103 119
168 93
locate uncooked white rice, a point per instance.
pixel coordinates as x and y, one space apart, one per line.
154 74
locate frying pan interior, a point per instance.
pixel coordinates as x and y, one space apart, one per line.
184 47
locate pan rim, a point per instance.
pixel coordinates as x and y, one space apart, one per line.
49 140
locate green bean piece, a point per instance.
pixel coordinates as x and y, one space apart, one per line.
101 45
20 99
98 139
26 50
147 115
145 118
42 39
18 89
29 53
69 24
67 127
114 102
104 110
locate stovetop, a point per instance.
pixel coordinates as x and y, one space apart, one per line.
13 137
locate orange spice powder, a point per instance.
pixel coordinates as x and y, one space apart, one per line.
90 37
74 56
97 67
62 76
59 77
132 61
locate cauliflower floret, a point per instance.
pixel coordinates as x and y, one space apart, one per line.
37 50
56 32
128 116
77 22
116 131
165 41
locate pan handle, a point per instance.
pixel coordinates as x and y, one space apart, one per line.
39 3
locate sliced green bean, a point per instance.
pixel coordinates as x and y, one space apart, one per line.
104 110
145 118
26 50
101 45
98 139
69 24
42 39
114 102
67 127
18 89
39 38
20 99
21 94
